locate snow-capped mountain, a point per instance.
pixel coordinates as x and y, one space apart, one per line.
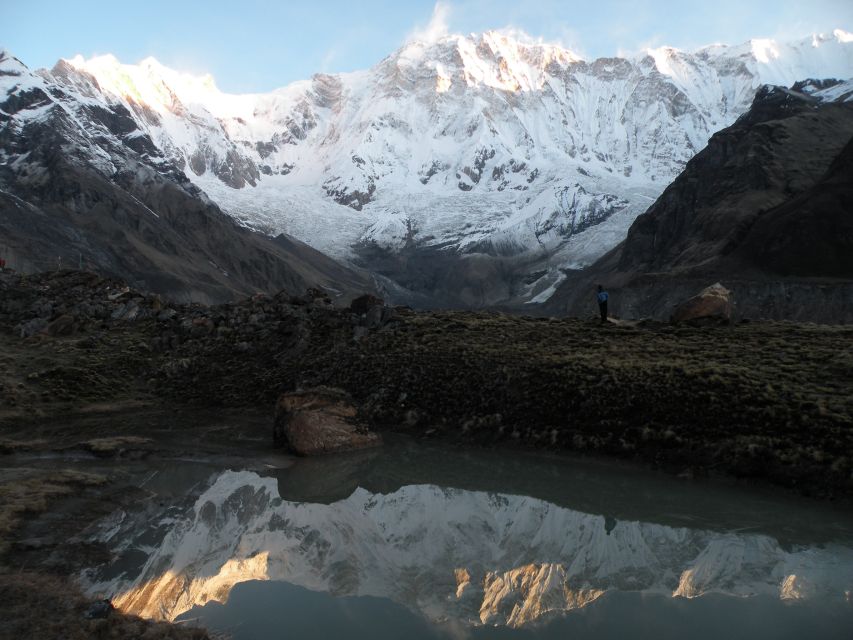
81 184
485 144
450 554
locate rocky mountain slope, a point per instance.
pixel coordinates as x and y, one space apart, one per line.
766 208
467 170
81 185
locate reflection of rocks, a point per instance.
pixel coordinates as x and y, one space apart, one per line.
451 554
712 305
522 594
320 420
527 593
315 480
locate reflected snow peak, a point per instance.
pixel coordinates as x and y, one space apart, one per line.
472 556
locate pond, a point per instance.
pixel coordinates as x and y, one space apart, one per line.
425 541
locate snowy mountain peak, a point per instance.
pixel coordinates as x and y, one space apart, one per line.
128 82
149 83
488 144
505 61
10 65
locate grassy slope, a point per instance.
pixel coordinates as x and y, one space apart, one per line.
770 400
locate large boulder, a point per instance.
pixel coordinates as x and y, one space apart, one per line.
713 305
321 420
363 304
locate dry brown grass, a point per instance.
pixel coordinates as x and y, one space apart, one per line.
31 492
9 445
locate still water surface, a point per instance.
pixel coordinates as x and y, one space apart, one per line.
423 541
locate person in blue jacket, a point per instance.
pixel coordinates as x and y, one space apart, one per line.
602 303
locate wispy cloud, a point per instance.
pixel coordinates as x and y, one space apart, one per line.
437 26
571 39
328 58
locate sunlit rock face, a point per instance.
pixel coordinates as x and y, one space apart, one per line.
475 557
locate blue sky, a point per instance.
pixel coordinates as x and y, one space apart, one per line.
258 45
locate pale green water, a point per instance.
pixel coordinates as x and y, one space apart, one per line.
366 545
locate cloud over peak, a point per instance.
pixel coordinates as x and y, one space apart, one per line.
437 27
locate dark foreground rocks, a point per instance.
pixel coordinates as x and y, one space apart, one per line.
322 420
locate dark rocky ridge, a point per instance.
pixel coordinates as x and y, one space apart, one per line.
766 208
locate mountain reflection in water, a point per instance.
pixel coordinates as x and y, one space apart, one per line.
453 555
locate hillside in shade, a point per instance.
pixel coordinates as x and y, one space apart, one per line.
766 209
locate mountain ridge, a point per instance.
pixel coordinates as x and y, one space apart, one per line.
79 182
477 155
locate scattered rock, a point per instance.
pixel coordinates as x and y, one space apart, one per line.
712 305
316 295
365 303
166 315
359 332
32 327
114 446
318 421
100 609
64 325
123 292
373 317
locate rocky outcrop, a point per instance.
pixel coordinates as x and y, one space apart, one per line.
62 303
363 304
368 313
712 305
321 420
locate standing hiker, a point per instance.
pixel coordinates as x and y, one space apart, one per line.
602 302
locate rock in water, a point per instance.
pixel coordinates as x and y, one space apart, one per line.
712 305
320 420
